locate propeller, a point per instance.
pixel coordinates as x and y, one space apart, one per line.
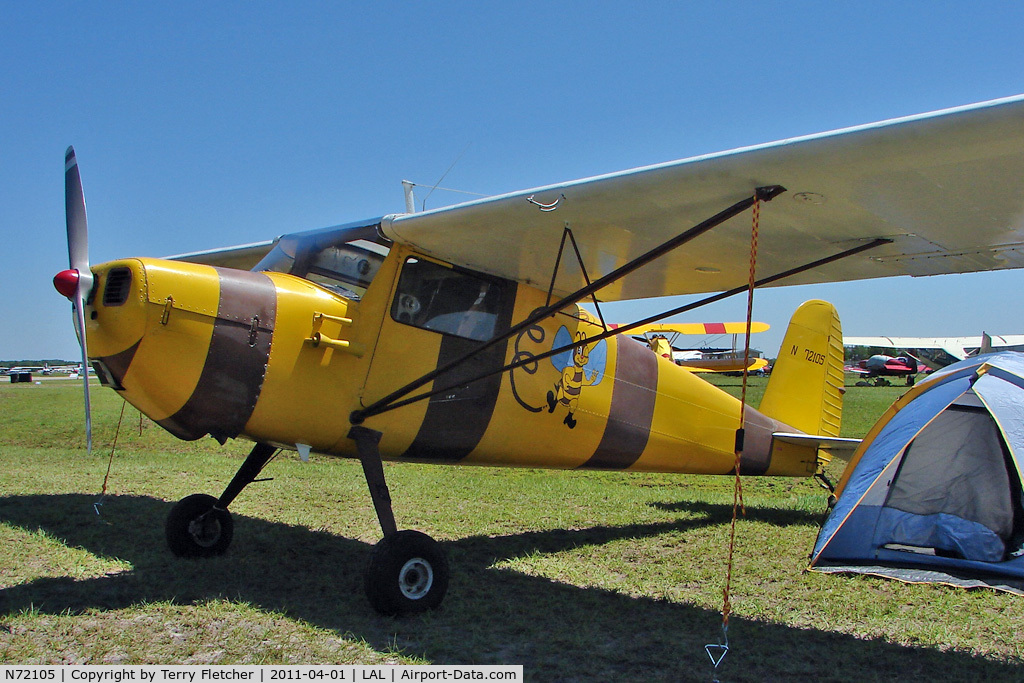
76 282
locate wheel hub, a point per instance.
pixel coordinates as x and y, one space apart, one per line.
415 578
205 530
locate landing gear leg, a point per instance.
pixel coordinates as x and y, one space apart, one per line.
369 455
408 571
254 463
200 525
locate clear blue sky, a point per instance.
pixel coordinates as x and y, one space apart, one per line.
200 125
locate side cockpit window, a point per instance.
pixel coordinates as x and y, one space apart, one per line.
343 259
440 298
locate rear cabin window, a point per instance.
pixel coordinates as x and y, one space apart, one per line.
346 268
343 259
435 297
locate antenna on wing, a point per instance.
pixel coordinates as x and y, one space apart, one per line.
410 200
423 206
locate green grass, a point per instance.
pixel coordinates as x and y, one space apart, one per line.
577 576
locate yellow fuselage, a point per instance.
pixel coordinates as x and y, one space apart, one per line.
278 359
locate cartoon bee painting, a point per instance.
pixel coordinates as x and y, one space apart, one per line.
582 366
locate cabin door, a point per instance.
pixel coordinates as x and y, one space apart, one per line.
439 314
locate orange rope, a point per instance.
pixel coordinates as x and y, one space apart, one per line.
103 493
737 498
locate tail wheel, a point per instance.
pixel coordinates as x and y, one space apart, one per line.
197 528
407 574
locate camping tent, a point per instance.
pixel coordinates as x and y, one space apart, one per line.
933 493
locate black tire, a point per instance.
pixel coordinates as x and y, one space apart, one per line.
195 528
407 574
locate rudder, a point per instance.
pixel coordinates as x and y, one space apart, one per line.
806 386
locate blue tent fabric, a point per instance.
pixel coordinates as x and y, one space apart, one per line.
937 491
941 531
1007 405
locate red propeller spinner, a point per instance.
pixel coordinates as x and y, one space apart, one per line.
66 282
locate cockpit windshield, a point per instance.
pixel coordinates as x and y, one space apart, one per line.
343 259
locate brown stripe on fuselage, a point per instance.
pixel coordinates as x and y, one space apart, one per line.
632 408
757 442
456 421
117 365
236 362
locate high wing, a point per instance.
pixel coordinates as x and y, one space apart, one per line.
946 187
958 347
697 328
243 256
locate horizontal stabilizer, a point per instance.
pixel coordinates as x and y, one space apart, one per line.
839 446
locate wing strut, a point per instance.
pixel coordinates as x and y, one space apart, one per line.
567 232
764 194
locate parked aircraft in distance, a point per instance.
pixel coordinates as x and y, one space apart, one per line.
938 352
663 339
20 369
878 367
44 369
729 361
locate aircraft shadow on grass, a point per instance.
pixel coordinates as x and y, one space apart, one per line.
717 513
509 617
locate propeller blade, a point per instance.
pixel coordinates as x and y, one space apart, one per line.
80 324
78 228
78 259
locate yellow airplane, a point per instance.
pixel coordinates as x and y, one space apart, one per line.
701 360
731 361
457 336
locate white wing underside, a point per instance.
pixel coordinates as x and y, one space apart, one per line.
947 188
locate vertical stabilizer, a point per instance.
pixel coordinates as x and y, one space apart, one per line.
806 385
986 344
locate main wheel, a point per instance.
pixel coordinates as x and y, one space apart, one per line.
407 573
196 528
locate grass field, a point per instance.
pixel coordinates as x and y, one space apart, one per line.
577 576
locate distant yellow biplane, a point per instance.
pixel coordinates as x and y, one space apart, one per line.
456 335
662 337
